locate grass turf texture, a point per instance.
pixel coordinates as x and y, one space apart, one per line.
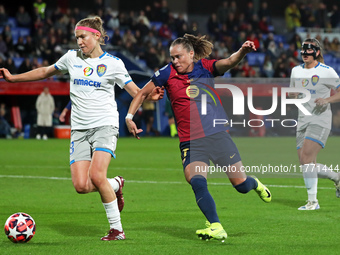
160 214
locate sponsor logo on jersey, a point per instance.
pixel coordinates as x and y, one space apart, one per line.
305 82
84 82
88 71
101 70
77 66
315 79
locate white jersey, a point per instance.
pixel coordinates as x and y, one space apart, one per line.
318 81
92 82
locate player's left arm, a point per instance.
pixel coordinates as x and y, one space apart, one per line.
224 65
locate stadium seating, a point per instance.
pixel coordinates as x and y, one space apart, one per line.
256 58
279 38
17 61
109 34
19 31
336 67
329 59
12 22
156 24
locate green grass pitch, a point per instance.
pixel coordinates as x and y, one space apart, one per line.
160 214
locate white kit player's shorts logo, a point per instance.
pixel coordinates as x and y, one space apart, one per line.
101 70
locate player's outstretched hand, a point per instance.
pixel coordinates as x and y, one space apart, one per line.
156 94
248 46
62 115
131 125
320 101
5 74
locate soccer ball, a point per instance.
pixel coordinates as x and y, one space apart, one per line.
20 227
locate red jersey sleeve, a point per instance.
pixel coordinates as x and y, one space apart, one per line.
209 64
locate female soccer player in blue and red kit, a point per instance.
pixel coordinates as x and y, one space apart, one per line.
189 82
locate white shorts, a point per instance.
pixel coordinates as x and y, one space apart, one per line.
312 132
85 142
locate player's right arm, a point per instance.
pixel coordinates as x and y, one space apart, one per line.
34 75
134 106
292 85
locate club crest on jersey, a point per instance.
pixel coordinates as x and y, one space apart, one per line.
192 91
305 82
101 70
315 79
88 71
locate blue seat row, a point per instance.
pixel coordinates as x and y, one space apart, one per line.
330 59
256 58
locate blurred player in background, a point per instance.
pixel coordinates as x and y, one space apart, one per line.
313 130
148 110
187 79
171 119
94 117
45 107
5 128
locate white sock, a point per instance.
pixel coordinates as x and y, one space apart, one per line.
115 183
113 215
310 176
325 172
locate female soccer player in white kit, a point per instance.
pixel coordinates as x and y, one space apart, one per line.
312 130
94 117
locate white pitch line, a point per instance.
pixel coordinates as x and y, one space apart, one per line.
35 177
112 167
149 182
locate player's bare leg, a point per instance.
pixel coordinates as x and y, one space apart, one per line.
98 174
80 177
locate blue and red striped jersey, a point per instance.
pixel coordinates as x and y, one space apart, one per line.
195 102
